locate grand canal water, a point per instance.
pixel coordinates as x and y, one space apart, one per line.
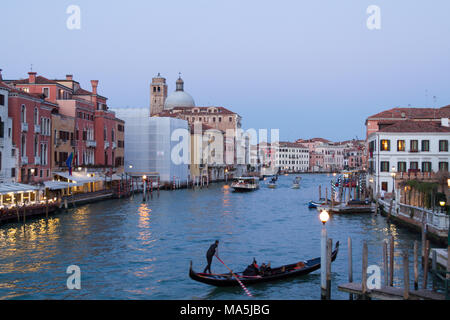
127 249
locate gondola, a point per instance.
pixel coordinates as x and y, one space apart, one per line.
287 271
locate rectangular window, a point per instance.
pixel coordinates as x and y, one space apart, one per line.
45 92
443 145
384 186
414 165
425 145
385 145
443 166
401 166
426 166
384 166
400 145
414 146
2 100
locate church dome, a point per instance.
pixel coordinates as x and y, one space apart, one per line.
179 98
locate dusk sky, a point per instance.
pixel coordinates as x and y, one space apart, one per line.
308 68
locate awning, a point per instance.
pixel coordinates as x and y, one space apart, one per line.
58 185
6 188
82 178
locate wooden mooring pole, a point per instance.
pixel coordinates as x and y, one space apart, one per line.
350 265
385 263
364 270
434 268
329 250
391 262
425 264
416 265
405 275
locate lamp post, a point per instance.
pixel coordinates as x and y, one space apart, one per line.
144 179
393 173
442 204
323 216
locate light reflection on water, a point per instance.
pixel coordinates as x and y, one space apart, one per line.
127 249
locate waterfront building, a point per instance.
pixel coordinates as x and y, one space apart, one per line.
180 104
292 157
389 117
151 142
407 147
63 140
31 117
94 143
8 152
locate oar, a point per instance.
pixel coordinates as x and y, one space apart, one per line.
242 285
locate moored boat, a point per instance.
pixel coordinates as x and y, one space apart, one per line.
244 184
286 271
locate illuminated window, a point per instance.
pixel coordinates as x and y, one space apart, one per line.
385 145
400 145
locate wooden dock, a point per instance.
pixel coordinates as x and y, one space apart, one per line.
390 293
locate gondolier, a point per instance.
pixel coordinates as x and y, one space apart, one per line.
210 254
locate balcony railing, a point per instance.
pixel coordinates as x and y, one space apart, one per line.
91 143
37 128
24 127
24 160
106 144
114 145
37 160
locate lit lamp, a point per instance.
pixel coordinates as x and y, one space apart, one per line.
144 178
442 204
323 216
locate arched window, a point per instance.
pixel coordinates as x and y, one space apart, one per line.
36 146
36 116
2 128
23 146
23 114
112 135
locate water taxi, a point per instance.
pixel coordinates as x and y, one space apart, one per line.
243 184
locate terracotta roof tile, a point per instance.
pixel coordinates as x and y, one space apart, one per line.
415 126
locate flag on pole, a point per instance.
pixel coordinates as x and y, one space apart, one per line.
69 163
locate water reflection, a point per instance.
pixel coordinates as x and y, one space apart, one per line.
129 249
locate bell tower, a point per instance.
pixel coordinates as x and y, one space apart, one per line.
158 94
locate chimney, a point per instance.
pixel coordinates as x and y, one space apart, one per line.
444 122
94 84
31 77
69 77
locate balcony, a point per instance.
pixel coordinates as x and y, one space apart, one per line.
91 143
106 144
37 160
24 127
37 128
114 145
73 143
24 160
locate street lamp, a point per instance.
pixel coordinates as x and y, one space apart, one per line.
442 204
323 216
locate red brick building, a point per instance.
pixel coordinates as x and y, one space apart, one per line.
94 140
31 115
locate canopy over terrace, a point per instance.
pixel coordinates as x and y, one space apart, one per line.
77 182
10 193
